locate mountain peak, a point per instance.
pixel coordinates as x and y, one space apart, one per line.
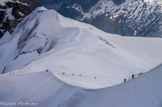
47 40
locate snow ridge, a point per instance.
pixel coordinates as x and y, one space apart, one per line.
76 51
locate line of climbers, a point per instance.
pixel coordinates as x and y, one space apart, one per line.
71 74
125 80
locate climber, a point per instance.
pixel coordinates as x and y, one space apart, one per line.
125 80
46 70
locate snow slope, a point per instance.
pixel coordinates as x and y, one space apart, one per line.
43 89
76 52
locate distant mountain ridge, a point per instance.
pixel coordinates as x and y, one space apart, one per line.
123 17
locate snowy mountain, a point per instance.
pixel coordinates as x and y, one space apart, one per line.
12 12
124 17
50 61
76 52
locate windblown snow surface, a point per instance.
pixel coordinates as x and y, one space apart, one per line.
43 89
80 60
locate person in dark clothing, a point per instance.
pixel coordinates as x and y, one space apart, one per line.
125 80
46 70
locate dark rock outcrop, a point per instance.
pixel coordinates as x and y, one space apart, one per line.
12 12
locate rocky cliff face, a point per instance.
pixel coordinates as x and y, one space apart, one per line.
11 12
124 17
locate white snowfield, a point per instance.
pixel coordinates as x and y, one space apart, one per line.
43 89
55 61
76 53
